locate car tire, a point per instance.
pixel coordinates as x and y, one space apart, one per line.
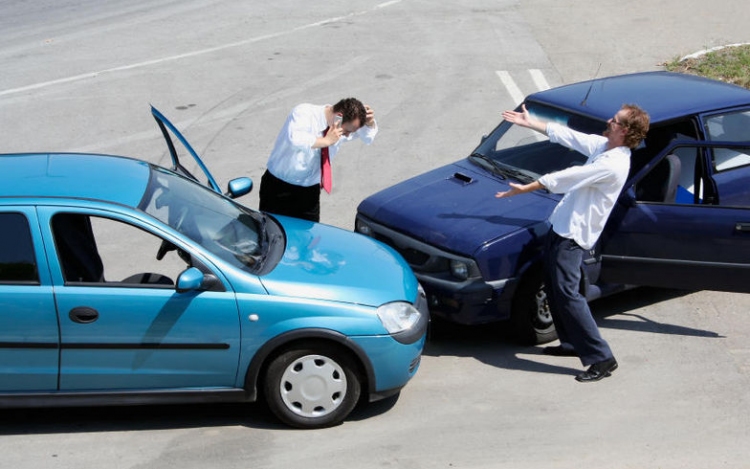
312 386
531 319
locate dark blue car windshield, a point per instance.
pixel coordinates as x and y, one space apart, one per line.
527 154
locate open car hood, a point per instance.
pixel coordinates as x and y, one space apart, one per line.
168 128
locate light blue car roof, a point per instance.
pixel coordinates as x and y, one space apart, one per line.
108 178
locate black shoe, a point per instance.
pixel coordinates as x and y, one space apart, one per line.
598 371
559 351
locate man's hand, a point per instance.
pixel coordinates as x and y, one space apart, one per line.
370 120
524 119
516 189
334 134
518 118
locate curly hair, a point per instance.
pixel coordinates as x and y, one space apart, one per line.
351 109
636 123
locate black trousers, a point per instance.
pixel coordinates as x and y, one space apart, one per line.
282 198
574 323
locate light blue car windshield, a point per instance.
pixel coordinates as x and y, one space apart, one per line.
232 232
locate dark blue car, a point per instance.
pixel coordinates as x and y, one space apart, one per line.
682 220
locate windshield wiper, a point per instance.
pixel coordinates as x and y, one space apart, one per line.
503 170
494 166
517 174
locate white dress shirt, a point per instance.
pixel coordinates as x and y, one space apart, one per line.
591 190
293 159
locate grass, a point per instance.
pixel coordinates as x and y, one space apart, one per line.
730 64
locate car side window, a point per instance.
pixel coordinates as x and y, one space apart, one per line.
732 127
679 176
17 259
690 183
102 251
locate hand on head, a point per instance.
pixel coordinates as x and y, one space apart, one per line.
370 121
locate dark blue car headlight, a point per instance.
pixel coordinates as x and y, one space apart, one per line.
459 269
362 227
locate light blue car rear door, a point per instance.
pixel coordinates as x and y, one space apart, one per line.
123 325
29 340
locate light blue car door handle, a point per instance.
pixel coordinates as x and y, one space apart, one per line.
83 315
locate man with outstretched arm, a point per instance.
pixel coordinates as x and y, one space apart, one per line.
578 220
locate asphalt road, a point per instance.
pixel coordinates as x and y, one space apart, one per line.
79 75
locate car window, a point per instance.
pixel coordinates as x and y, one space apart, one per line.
107 252
528 151
690 179
731 127
673 177
17 259
221 226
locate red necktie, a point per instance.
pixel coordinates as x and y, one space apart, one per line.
326 182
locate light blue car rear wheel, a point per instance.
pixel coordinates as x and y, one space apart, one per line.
312 387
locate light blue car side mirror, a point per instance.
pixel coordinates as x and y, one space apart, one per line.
189 280
239 187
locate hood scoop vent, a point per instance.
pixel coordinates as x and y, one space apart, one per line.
461 178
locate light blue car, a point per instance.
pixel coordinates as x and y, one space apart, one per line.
123 283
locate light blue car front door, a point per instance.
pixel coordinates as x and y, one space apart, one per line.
28 323
123 326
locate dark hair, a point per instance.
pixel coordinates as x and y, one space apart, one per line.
351 109
636 123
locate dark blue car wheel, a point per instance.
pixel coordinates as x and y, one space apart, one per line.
312 386
531 319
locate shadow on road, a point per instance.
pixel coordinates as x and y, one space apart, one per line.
493 345
149 417
157 417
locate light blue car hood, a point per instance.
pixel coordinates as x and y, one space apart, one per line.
325 262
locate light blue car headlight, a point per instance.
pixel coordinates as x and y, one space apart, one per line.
398 316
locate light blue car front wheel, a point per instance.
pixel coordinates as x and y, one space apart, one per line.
312 386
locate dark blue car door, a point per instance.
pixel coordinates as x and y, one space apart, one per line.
700 240
686 247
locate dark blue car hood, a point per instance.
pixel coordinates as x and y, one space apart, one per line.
454 208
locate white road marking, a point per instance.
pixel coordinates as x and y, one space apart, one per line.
539 80
209 50
510 85
540 84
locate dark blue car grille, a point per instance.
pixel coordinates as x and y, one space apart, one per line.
414 257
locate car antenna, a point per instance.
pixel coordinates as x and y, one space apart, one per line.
585 98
